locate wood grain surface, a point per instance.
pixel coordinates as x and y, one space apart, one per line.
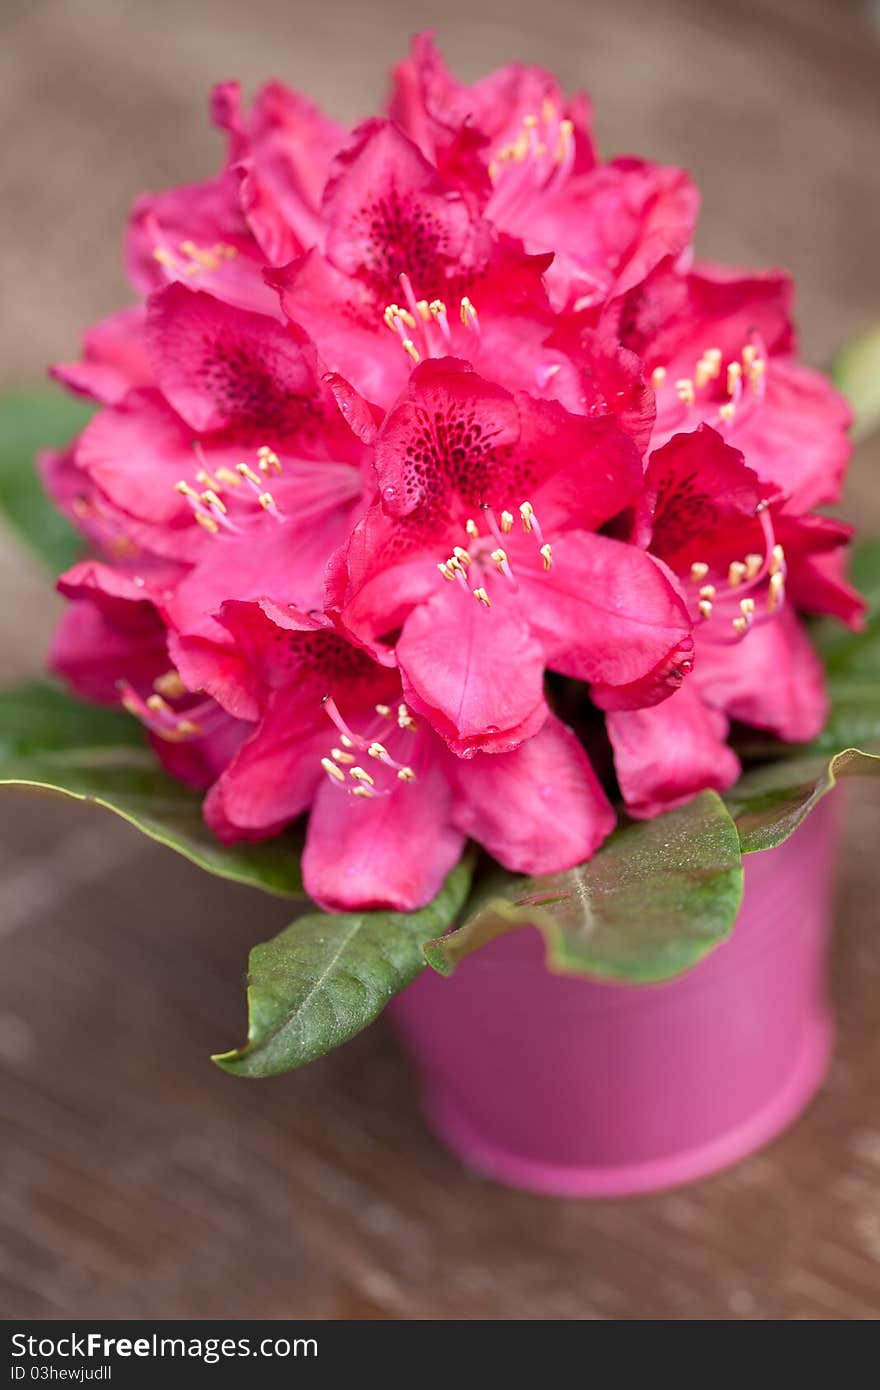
138 1181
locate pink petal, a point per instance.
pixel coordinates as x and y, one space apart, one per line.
538 809
773 679
273 777
387 212
383 852
196 234
605 613
665 755
447 442
114 358
475 673
221 367
345 320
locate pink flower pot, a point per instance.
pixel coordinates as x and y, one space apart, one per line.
559 1085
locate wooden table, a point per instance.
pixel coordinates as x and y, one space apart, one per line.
138 1181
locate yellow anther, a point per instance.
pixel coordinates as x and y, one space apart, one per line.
424 309
377 750
345 741
210 498
527 513
727 411
406 774
546 553
749 354
455 565
244 470
158 705
395 313
410 349
185 490
776 591
707 591
205 258
747 607
741 625
437 308
736 573
777 559
384 711
530 122
705 608
704 372
699 570
756 371
164 257
483 597
461 554
445 570
266 501
207 480
227 477
684 389
499 557
208 522
340 755
468 312
734 374
360 774
268 460
404 718
170 685
186 728
506 520
753 564
332 770
713 354
361 790
472 529
658 376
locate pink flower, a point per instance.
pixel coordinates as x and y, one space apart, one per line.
740 559
718 346
608 225
481 559
411 421
390 806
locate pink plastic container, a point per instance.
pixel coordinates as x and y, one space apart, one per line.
562 1086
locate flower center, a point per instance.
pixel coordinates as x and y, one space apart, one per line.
538 160
209 506
190 259
422 325
717 392
161 718
487 553
391 729
751 593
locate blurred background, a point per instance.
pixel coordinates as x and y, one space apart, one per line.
138 1181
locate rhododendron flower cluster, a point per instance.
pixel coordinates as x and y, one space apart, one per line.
415 427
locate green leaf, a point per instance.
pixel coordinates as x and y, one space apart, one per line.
53 743
856 370
769 803
326 977
29 422
655 899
